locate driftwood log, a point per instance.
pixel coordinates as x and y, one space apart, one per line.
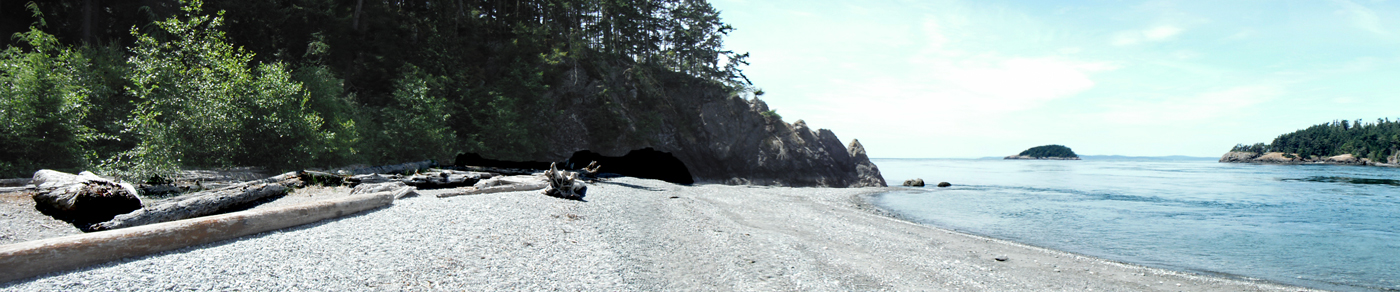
84 198
563 184
228 199
500 185
435 179
398 189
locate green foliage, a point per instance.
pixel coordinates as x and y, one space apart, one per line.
200 103
415 126
772 114
1257 148
1049 151
43 103
335 82
1377 141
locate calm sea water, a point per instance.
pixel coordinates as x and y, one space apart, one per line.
1329 227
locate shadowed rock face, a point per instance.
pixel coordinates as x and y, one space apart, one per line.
718 136
643 163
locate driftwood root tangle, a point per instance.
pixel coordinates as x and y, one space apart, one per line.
563 184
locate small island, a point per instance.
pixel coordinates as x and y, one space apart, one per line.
1047 152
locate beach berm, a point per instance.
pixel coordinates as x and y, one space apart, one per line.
627 235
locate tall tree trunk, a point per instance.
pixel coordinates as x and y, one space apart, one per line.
355 23
87 22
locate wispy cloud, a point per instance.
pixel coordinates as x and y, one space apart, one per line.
1154 34
1362 17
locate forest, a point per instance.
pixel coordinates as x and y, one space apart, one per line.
140 89
1372 140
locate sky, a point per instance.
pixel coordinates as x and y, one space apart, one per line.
984 78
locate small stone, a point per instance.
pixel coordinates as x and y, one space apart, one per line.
1002 258
944 184
918 182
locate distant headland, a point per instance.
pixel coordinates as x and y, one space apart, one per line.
1339 142
1047 152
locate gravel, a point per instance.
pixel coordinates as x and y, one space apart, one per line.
629 235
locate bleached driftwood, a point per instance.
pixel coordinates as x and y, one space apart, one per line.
204 203
399 189
500 185
433 179
564 184
83 198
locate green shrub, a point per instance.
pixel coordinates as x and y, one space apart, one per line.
199 103
415 126
44 104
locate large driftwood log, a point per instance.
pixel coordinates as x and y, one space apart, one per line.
398 189
563 184
224 200
495 189
500 185
84 198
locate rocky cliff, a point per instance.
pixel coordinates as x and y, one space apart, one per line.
721 137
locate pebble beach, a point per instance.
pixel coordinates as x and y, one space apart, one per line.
627 235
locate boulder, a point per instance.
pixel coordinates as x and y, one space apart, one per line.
918 182
944 184
1343 159
1238 156
1277 157
84 198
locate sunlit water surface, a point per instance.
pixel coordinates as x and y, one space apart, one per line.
1321 226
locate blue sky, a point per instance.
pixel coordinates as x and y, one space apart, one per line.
992 78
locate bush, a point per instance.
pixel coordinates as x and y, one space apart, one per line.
199 103
44 104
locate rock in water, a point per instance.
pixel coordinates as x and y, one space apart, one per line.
918 182
84 198
944 184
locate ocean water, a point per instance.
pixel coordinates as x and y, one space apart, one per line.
1320 226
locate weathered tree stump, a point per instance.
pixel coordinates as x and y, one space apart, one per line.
563 184
84 198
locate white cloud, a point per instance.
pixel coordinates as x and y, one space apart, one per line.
1154 34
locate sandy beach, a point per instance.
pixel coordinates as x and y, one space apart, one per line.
629 235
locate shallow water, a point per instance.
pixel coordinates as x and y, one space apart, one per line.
1321 226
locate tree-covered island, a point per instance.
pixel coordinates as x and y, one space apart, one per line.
1047 152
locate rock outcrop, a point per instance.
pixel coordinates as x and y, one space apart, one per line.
1290 158
918 182
718 135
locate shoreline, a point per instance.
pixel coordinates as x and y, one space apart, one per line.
868 203
631 235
